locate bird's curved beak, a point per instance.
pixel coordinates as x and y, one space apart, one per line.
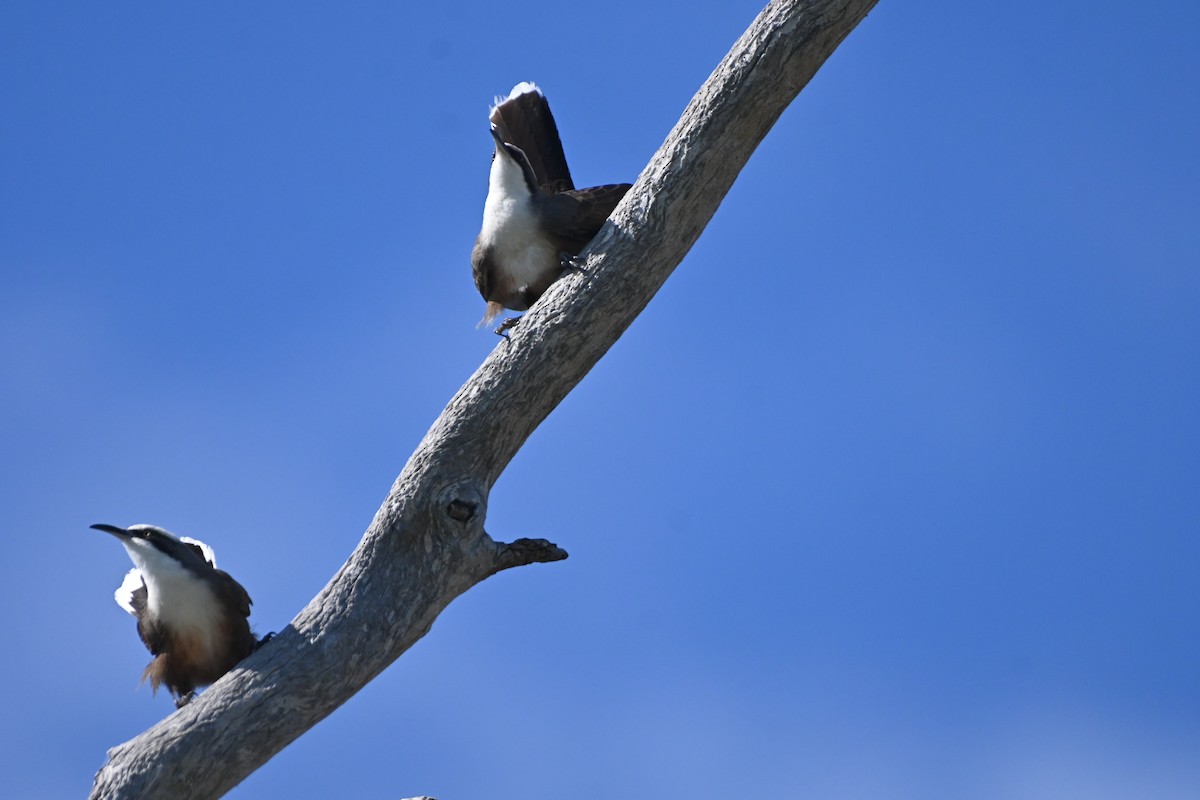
120 533
504 148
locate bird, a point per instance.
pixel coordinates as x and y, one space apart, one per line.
534 219
192 617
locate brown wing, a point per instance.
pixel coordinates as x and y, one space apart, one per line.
137 599
575 216
153 636
526 121
233 592
482 269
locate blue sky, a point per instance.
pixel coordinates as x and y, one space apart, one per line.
890 492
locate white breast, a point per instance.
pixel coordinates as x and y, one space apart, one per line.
174 595
510 229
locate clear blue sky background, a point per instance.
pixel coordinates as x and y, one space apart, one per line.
892 491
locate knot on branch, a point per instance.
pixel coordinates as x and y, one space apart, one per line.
461 510
463 502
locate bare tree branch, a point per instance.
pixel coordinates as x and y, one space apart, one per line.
427 544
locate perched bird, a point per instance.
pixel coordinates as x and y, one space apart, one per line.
534 219
191 616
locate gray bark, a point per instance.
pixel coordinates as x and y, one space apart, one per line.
427 543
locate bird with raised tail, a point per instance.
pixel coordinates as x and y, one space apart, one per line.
534 219
192 617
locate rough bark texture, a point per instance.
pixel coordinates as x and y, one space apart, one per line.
427 543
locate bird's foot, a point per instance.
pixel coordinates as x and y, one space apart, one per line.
264 640
184 699
570 262
503 328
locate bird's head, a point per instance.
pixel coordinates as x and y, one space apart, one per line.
151 546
